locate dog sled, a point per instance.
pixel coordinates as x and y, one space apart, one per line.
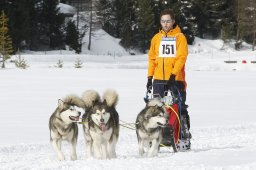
171 132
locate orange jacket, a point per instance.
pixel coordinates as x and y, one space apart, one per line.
162 67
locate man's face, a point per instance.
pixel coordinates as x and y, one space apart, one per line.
167 22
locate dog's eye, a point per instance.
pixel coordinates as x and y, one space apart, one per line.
72 109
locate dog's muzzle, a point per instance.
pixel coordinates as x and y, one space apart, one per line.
161 125
74 118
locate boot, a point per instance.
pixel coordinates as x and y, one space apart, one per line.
184 143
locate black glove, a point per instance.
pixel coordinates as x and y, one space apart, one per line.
149 84
171 82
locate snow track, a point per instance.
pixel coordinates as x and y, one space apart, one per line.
217 143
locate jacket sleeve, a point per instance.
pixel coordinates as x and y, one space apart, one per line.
151 58
181 55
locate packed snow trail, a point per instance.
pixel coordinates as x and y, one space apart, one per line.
212 147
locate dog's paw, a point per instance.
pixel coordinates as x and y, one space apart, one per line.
73 157
151 154
61 157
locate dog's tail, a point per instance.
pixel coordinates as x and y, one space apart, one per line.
90 97
74 100
110 97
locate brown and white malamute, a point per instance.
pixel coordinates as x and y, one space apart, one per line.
63 126
101 127
149 129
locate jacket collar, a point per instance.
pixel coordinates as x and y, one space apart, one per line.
172 32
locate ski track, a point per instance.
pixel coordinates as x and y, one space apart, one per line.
205 143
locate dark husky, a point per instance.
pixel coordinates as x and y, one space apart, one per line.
149 125
102 128
63 124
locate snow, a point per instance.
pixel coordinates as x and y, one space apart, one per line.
66 9
220 98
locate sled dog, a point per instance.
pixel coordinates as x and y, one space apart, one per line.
63 126
102 128
149 125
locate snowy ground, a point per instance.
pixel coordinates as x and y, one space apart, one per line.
221 99
221 107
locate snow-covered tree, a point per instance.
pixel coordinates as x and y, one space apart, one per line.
186 19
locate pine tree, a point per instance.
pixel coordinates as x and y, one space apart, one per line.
35 22
186 19
78 63
127 31
211 16
157 7
246 18
18 14
59 64
104 13
20 62
5 40
72 37
201 13
52 23
145 22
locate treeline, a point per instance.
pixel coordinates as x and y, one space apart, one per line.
136 21
34 24
37 24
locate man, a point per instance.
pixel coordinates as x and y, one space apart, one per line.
166 65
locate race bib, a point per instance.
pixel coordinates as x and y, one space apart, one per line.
167 47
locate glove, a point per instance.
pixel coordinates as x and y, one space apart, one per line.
149 84
171 82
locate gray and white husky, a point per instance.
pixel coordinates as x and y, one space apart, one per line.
102 128
63 124
149 125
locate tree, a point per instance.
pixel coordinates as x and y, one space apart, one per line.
157 7
93 21
104 13
211 15
186 19
145 23
128 25
246 19
35 22
229 26
52 22
18 14
73 37
5 40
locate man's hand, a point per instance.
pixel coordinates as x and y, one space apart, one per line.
171 82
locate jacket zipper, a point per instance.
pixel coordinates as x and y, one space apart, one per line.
163 61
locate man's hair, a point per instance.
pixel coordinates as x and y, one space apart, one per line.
168 12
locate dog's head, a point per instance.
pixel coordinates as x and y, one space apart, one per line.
100 110
155 114
100 116
70 109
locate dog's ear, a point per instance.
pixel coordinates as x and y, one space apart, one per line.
60 104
